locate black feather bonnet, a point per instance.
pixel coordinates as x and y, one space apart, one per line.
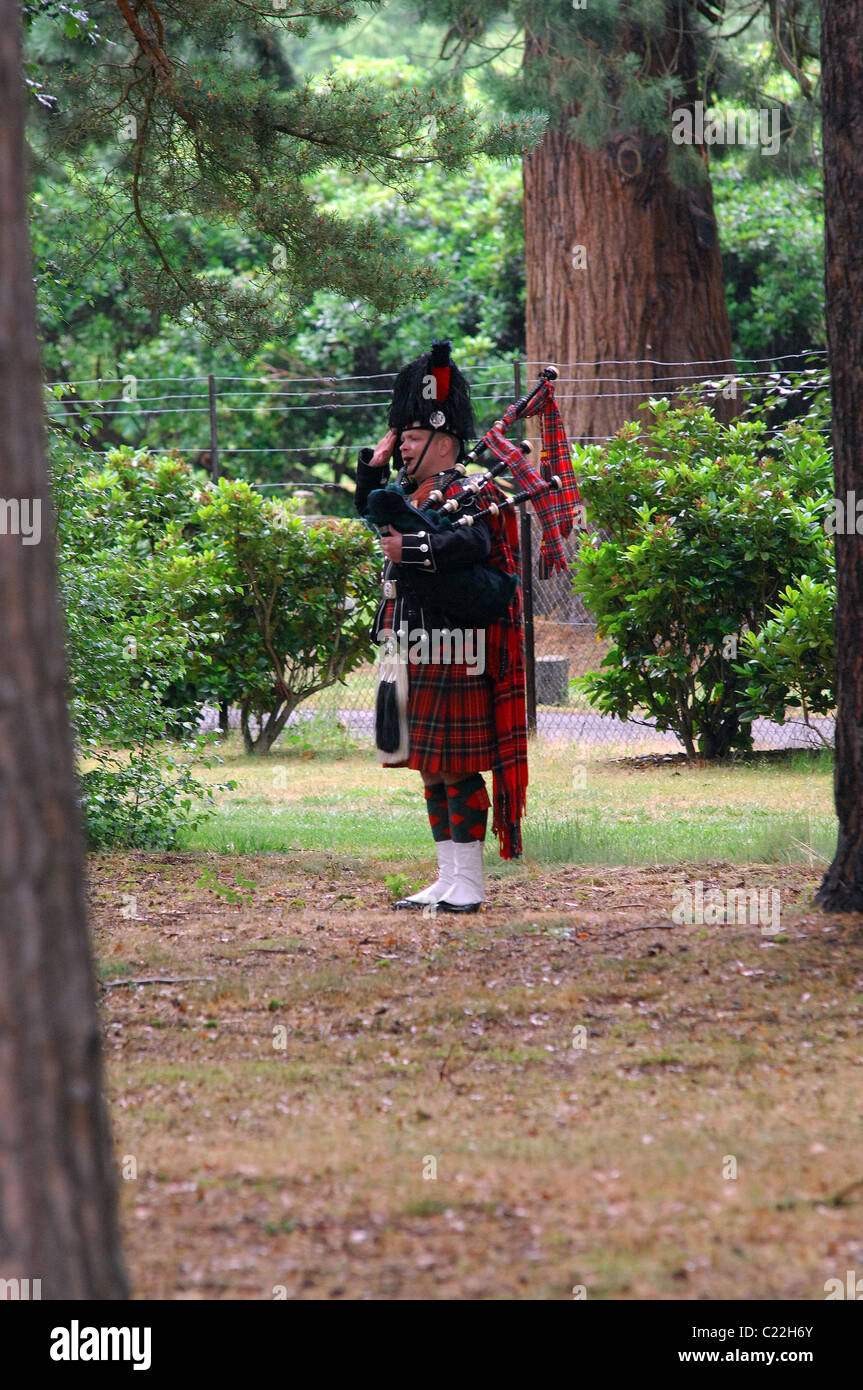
431 393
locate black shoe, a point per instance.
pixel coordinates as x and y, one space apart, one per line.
455 907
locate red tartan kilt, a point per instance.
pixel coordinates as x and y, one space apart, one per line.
450 719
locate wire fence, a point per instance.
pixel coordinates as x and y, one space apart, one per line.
303 434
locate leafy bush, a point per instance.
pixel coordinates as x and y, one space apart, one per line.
709 524
270 607
302 601
177 591
790 662
127 645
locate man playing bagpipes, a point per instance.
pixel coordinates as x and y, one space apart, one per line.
451 570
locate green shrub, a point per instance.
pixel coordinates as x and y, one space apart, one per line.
128 644
709 524
302 598
790 661
220 593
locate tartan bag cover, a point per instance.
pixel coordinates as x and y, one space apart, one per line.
555 510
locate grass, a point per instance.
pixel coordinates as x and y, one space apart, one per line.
316 798
639 839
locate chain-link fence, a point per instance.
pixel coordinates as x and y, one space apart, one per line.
566 645
309 430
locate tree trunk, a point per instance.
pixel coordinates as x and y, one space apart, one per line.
269 727
57 1186
842 116
622 265
276 721
245 725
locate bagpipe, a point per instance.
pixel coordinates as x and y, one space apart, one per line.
478 590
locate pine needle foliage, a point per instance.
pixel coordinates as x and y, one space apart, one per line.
607 68
182 114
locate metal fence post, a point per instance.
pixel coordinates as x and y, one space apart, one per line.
214 474
527 587
214 437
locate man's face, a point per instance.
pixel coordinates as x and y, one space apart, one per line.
441 453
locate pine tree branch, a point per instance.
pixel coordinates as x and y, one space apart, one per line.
492 53
786 59
246 153
757 11
118 226
712 10
159 62
136 197
157 19
151 50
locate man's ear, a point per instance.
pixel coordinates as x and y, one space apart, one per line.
451 445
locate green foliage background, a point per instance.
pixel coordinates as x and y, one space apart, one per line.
360 151
463 225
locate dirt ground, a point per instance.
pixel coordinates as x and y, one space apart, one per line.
574 640
565 1095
